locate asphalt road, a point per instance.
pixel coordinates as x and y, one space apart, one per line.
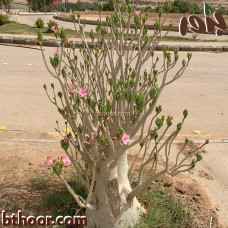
203 89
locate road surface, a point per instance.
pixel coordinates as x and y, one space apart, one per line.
203 89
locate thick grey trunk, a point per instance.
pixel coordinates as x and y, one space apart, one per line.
112 187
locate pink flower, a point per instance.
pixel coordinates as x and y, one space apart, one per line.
125 138
66 139
56 50
137 12
66 160
71 89
54 28
49 162
92 136
170 116
82 92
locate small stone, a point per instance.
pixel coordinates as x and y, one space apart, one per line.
195 199
30 163
167 184
217 208
180 190
197 132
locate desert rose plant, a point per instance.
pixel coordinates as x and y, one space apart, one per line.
109 75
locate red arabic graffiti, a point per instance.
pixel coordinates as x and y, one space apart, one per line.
216 25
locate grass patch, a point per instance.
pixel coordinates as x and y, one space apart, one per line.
40 182
61 201
17 28
164 211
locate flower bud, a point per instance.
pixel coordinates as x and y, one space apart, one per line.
40 35
100 6
142 143
73 16
80 128
199 157
179 125
60 94
186 141
62 34
185 113
193 164
189 55
57 168
158 109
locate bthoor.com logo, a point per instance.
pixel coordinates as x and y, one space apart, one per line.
216 25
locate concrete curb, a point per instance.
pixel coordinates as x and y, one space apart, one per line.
78 44
177 141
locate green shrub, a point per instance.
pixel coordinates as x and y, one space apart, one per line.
78 6
148 9
108 6
50 24
222 10
179 6
39 23
38 5
164 211
3 20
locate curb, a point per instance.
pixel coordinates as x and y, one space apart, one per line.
78 44
177 141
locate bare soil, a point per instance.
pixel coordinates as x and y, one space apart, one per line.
22 162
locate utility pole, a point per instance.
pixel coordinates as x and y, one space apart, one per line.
45 6
66 6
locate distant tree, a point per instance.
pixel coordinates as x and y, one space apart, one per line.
179 6
29 4
222 10
109 6
38 5
194 8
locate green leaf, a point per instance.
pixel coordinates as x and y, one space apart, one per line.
208 10
64 145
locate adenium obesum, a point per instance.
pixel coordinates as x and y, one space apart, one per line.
111 77
64 159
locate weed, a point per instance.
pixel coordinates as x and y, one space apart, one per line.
40 182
